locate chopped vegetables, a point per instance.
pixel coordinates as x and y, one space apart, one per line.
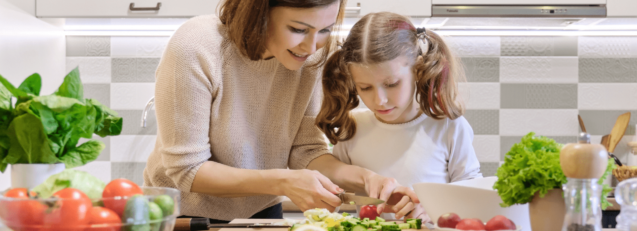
322 218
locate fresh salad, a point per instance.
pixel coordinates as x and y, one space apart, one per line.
322 219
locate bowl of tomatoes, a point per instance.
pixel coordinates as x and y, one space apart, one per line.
123 206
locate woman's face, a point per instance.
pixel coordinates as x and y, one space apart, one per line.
387 89
293 34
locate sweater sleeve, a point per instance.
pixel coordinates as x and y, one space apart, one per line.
309 142
340 152
183 98
463 163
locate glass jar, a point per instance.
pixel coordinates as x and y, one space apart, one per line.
626 198
583 211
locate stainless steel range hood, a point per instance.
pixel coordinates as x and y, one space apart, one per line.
542 11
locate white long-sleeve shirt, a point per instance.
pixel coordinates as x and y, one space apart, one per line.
422 150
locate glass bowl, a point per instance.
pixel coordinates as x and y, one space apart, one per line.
53 214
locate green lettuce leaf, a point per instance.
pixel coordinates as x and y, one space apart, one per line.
605 187
532 165
70 178
83 154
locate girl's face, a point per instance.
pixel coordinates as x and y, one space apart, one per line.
293 34
387 89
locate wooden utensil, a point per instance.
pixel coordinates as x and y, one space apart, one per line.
618 131
581 124
605 141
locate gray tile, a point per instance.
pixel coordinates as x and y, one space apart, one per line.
131 171
603 70
506 142
484 122
489 168
482 69
602 122
106 153
132 122
88 46
134 69
557 96
539 46
98 91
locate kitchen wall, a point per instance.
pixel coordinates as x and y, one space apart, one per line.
514 85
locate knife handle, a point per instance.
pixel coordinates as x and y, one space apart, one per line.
191 224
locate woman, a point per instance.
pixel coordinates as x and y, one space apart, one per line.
236 100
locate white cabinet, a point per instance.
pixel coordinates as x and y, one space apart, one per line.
359 8
124 8
519 2
621 8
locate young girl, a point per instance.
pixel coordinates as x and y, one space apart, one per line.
407 77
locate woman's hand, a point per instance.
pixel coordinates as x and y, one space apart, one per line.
310 189
398 199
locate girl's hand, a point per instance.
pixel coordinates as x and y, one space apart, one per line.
396 197
310 189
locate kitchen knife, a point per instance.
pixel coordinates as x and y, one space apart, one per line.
359 200
193 224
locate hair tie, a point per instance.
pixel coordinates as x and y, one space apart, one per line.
423 40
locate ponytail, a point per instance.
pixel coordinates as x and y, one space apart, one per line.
339 98
436 79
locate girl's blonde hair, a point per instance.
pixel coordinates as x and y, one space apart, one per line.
382 37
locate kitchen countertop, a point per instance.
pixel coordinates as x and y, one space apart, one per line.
284 229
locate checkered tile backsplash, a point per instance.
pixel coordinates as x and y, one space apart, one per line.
514 85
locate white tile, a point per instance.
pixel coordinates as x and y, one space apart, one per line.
612 47
138 46
480 95
539 69
92 69
132 148
99 169
131 95
5 179
546 122
607 96
474 46
487 147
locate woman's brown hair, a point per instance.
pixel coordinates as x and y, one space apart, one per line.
382 37
247 22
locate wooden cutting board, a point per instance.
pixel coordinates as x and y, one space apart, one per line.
277 229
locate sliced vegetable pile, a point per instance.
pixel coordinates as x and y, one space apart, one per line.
322 218
120 205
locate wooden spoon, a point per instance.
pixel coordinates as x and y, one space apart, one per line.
581 124
605 140
618 131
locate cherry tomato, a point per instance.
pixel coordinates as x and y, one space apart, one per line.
117 192
103 219
70 212
369 211
21 213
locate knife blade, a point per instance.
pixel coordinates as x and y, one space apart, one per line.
197 223
359 200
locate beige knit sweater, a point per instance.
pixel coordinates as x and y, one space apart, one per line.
214 104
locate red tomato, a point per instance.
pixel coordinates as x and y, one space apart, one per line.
105 220
21 212
449 220
117 192
70 212
369 211
500 222
470 224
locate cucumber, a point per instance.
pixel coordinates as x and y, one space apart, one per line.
136 214
378 228
415 223
404 226
390 228
387 223
378 219
366 224
352 223
359 228
366 219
